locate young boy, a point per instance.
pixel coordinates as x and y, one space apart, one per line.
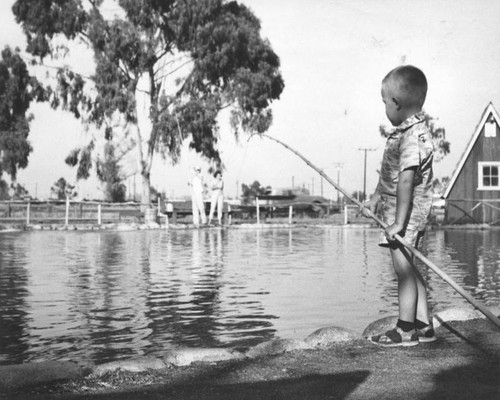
403 200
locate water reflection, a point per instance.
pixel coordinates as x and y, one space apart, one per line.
197 323
14 311
103 296
194 303
478 269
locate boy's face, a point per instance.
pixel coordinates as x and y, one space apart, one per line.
392 108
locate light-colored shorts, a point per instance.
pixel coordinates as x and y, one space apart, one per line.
415 223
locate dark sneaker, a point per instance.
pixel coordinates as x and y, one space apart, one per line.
426 335
396 338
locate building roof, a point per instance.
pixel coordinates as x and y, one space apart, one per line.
489 110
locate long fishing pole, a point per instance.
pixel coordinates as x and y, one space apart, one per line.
412 249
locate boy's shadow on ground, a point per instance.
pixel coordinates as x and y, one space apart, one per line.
481 377
336 386
473 381
312 387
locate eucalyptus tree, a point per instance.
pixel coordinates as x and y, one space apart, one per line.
17 90
184 61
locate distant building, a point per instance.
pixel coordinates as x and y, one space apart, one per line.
290 191
473 193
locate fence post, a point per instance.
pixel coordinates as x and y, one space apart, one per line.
290 213
229 216
99 215
257 207
67 210
28 209
345 214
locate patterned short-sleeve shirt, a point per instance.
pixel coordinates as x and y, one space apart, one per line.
409 146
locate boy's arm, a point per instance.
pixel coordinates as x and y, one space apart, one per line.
404 199
371 204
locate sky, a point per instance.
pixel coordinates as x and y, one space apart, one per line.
334 54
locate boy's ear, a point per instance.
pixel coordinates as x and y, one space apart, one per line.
398 106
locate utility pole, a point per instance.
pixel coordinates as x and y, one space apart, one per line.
338 165
364 177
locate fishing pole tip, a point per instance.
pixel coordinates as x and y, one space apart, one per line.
255 134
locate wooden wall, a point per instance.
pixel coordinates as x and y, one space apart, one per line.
465 194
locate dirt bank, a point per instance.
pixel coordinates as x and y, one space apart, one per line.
463 364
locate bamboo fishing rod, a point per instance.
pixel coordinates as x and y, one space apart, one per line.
493 318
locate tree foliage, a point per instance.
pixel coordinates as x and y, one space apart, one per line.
19 191
250 192
17 90
441 145
62 189
439 185
109 172
15 191
189 59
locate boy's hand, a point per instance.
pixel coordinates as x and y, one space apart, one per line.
392 230
370 207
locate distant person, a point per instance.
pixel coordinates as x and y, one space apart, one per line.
198 206
217 197
403 200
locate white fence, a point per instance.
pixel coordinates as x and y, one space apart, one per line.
66 212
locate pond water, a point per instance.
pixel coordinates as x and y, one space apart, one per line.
103 296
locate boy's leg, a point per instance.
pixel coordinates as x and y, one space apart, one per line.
408 290
412 290
422 313
404 334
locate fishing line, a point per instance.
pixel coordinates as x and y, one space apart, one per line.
243 160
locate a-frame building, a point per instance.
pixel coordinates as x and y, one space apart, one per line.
473 192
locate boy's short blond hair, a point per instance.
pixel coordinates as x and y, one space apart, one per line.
409 84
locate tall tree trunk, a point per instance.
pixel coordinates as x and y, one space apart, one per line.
144 168
145 190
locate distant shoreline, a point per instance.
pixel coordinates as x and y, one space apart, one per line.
134 226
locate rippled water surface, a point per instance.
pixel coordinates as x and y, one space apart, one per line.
102 296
